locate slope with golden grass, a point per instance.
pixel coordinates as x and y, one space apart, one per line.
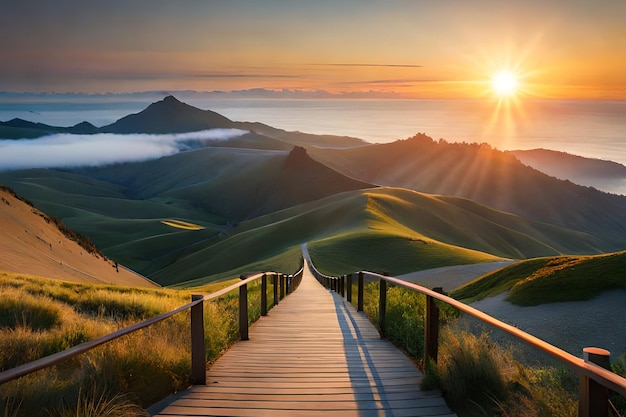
31 243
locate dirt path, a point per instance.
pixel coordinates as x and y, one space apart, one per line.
570 326
451 277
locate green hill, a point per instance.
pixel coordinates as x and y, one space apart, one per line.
553 279
388 229
121 207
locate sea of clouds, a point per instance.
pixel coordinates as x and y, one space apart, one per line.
67 150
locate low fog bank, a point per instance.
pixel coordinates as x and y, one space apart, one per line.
67 150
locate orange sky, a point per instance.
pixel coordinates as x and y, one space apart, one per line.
434 49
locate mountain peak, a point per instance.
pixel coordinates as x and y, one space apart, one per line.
169 116
171 99
298 157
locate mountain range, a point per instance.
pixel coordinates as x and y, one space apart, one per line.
399 207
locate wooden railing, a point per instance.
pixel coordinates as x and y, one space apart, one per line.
283 284
593 370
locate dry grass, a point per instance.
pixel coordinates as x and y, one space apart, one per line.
145 366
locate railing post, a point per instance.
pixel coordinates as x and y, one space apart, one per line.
349 288
342 285
198 350
243 311
431 328
282 286
275 283
382 307
593 398
264 295
360 293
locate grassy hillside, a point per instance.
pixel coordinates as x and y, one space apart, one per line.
547 280
384 229
34 243
122 208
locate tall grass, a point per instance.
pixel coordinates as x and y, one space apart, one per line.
404 315
121 377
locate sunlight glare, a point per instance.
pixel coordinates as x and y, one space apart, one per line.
504 83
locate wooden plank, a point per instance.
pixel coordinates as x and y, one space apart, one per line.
312 355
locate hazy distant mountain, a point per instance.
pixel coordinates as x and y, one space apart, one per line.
83 128
169 116
604 175
172 116
20 129
487 176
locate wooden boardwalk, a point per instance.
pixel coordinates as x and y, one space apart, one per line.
313 355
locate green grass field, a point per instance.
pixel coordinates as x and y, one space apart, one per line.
122 210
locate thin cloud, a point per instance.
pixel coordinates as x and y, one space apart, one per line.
394 81
371 65
67 150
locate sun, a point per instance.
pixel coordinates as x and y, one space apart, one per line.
505 84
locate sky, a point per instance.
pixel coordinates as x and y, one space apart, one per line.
421 49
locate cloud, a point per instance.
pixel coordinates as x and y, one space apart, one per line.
67 150
372 65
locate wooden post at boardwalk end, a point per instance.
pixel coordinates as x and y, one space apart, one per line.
264 295
431 328
275 283
243 311
382 308
359 306
349 288
593 398
198 350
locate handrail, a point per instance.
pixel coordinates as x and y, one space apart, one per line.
584 368
55 358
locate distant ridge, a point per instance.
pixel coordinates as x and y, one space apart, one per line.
169 116
598 173
485 175
83 128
